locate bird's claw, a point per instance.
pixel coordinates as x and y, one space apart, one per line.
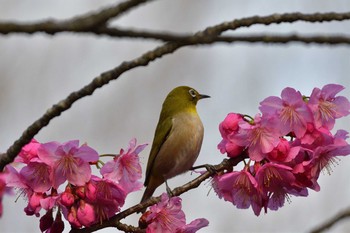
210 168
168 190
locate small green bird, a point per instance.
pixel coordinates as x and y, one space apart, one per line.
177 139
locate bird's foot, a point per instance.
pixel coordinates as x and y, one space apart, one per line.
210 168
168 190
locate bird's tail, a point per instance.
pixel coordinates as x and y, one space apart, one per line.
147 194
152 185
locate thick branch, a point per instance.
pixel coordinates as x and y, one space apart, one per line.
226 164
324 226
86 22
206 36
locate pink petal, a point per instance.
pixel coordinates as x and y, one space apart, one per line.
330 90
194 226
87 154
47 152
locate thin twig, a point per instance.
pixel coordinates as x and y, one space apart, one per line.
101 17
206 36
329 223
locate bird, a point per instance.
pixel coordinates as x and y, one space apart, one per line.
177 139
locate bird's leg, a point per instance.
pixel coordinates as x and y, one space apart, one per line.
210 168
168 189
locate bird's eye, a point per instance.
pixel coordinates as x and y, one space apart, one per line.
192 93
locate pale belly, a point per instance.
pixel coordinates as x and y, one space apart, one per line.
181 149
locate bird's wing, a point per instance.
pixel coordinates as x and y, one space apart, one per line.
162 132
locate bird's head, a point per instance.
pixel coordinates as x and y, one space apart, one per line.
182 98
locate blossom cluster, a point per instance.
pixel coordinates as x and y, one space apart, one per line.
3 188
57 176
284 148
168 217
86 199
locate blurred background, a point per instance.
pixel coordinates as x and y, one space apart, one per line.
36 71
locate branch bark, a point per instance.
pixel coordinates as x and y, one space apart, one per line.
96 23
249 38
207 36
82 23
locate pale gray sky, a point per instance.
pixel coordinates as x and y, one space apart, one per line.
37 71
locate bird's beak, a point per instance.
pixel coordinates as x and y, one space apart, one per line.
203 96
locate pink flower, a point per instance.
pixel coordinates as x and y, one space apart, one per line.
165 216
34 206
28 152
283 152
230 124
315 137
69 161
303 176
67 198
288 145
37 176
49 202
340 138
240 188
291 110
125 168
231 148
324 157
276 182
106 196
72 217
260 138
326 107
3 188
319 158
228 128
16 180
80 191
83 209
86 214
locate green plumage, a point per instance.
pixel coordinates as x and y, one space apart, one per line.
162 131
177 139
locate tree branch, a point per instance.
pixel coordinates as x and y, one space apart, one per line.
226 164
206 36
101 17
284 39
96 23
327 224
82 23
169 36
256 38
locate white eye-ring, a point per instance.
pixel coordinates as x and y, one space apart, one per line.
192 93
